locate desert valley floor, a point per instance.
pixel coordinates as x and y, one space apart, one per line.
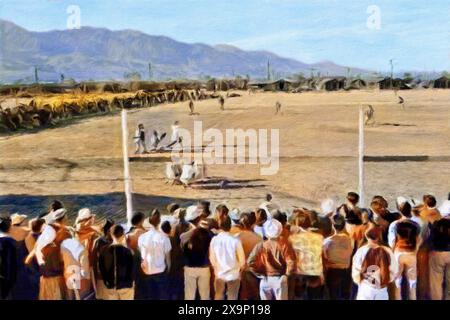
81 163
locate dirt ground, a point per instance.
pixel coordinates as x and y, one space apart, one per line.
318 153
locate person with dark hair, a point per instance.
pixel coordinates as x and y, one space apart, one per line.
337 255
197 273
228 260
8 258
136 230
307 243
116 265
428 211
54 206
273 261
249 289
155 248
36 226
177 264
439 261
353 218
204 206
282 218
221 212
404 239
172 207
100 245
374 267
261 218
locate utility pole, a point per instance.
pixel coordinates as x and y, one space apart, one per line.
361 157
36 78
150 71
391 62
268 69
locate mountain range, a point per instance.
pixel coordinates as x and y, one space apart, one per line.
100 54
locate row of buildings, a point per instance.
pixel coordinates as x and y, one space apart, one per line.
343 83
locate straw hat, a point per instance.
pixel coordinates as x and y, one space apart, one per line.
17 219
84 214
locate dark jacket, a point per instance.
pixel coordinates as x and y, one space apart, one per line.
440 235
195 251
8 266
117 268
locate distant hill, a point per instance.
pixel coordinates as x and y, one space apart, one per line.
102 54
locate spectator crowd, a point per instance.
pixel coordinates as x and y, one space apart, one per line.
343 252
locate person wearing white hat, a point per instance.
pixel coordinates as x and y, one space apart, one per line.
228 260
48 255
192 217
235 216
24 288
273 261
19 227
86 234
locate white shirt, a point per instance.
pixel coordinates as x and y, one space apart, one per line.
392 232
227 256
358 260
154 245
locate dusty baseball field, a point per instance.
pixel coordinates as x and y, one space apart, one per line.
81 162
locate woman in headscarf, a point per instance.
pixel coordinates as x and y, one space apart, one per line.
51 266
8 258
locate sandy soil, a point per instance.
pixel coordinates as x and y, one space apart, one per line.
318 149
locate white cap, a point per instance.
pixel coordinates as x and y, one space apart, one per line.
235 214
272 228
444 209
192 213
328 206
58 214
84 214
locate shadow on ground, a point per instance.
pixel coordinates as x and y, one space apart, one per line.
111 205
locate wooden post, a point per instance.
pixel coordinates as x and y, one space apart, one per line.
361 157
126 167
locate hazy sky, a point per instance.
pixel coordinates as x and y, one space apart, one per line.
416 33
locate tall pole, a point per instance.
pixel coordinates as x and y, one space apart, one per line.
361 156
126 166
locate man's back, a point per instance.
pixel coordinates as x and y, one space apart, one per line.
224 251
116 265
308 248
272 258
153 246
338 251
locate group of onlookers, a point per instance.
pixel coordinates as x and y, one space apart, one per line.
342 252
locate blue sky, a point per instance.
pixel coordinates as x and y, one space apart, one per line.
416 33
